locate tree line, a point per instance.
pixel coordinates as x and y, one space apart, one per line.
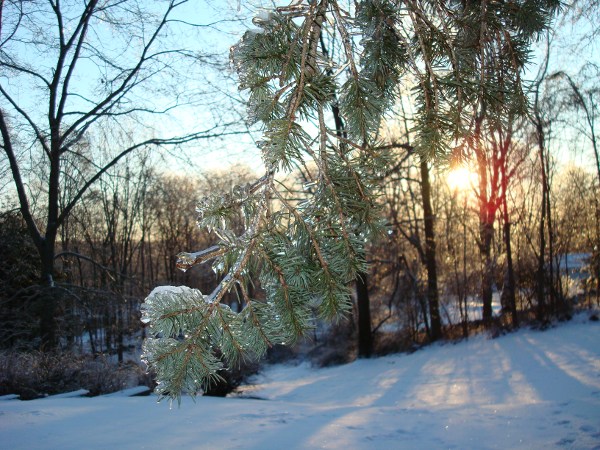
118 245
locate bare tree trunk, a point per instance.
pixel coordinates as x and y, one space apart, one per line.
508 290
486 234
541 312
120 326
464 270
48 297
552 278
538 122
430 255
365 337
507 298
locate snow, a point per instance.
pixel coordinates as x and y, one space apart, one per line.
574 263
451 312
160 293
78 393
167 289
130 392
525 390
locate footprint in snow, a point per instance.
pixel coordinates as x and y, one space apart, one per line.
565 441
587 429
390 436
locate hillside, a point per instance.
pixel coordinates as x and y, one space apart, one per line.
529 389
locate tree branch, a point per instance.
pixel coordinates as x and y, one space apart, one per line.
149 142
16 174
125 85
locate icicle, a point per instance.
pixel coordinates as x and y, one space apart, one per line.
187 260
255 31
263 18
309 185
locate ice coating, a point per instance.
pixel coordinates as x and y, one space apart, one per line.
186 260
148 306
162 289
264 16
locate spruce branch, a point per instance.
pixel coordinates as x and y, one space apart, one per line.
462 61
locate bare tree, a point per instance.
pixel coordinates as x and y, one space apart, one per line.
75 72
582 97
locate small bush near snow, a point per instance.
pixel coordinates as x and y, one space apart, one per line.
37 374
337 346
401 341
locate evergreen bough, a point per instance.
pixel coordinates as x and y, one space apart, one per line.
461 61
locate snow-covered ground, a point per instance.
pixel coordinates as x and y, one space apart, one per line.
529 390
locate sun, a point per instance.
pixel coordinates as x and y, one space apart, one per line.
461 179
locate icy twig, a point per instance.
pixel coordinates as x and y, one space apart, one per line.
186 261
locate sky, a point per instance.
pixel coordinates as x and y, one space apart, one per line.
221 24
573 45
565 55
227 20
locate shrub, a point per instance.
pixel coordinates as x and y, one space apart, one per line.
37 374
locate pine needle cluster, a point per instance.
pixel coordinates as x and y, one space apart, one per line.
301 63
